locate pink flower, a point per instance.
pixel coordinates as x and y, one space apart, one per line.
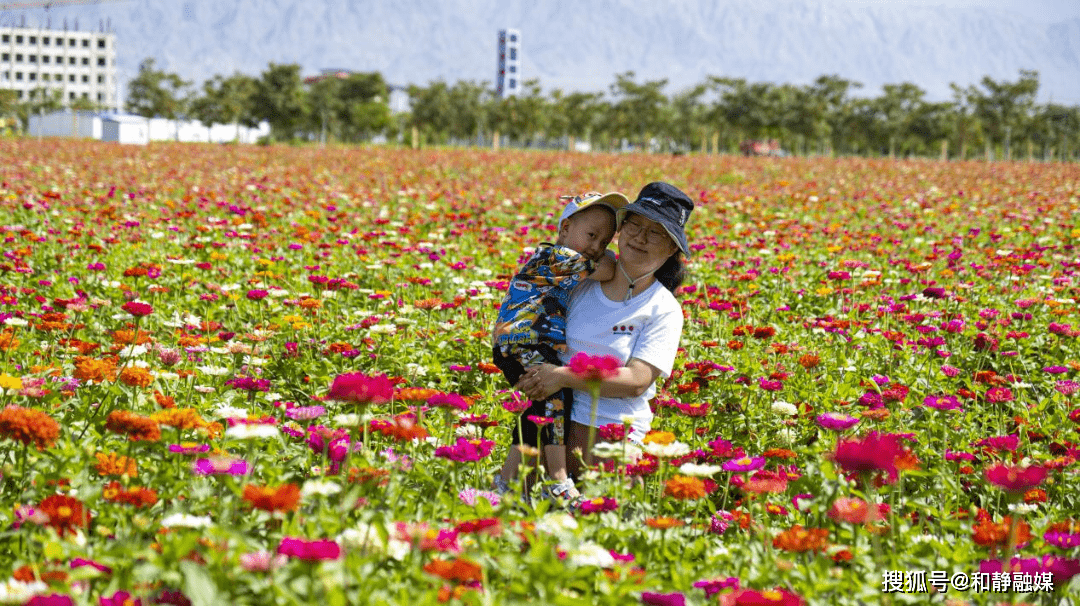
361 389
599 505
262 561
448 400
663 599
769 597
1015 479
257 295
853 511
465 450
715 586
874 452
516 405
744 463
594 368
942 402
120 598
221 465
469 496
55 599
137 309
835 421
302 549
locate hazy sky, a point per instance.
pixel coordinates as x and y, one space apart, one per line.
1048 11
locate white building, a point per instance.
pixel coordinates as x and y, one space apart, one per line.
127 128
508 80
77 64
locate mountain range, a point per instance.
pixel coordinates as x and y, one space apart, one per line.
580 45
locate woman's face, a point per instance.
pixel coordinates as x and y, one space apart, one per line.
644 241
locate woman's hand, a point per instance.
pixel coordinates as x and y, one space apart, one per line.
540 381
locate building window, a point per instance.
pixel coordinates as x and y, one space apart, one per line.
101 43
18 58
32 76
71 42
513 37
71 77
71 96
513 83
513 69
100 97
20 94
86 61
100 79
33 39
32 58
86 43
5 57
86 79
45 40
45 59
59 60
513 54
6 38
71 60
18 76
18 39
86 95
101 61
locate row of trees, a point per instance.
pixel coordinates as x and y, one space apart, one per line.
995 118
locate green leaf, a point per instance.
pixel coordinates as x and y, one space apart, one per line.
198 586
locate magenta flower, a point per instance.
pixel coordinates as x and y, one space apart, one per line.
835 421
465 450
469 496
663 599
137 309
1066 387
305 413
80 562
189 448
55 599
715 586
1016 479
874 452
721 521
361 389
250 384
768 385
448 400
744 463
310 551
220 466
594 368
1000 443
599 505
120 598
516 405
942 402
257 295
1062 570
996 395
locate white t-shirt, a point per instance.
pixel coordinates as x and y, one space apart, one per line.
646 327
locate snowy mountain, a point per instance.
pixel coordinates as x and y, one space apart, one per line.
581 45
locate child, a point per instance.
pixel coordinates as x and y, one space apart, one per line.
531 326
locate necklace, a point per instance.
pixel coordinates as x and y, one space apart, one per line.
632 282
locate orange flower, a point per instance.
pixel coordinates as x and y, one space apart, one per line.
65 513
801 539
684 487
309 303
779 453
163 400
180 418
659 437
92 369
427 303
989 534
27 425
461 570
133 376
8 340
282 498
664 522
137 427
415 394
113 464
137 496
126 337
809 361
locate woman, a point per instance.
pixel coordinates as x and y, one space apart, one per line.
634 317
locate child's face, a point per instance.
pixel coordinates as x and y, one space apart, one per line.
588 232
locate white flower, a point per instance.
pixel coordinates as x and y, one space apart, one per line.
559 524
13 321
346 420
213 371
225 411
322 488
133 351
1023 508
17 592
467 431
591 554
693 469
255 431
183 520
784 408
625 453
667 451
168 376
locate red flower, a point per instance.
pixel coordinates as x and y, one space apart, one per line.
361 389
65 513
137 309
1016 479
875 452
594 368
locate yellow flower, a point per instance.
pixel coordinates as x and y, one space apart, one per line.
9 382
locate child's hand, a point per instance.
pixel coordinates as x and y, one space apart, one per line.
540 381
605 268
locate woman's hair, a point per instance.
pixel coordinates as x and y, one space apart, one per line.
672 273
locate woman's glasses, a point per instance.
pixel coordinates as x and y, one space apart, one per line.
652 236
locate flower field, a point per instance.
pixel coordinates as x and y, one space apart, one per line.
261 375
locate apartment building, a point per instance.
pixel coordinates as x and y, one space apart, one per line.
78 64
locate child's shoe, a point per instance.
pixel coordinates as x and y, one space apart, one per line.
568 492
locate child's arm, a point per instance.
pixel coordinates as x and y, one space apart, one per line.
605 268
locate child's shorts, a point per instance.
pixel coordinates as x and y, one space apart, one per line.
556 407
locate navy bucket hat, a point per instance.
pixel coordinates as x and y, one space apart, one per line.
665 204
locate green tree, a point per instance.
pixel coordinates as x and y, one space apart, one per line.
430 113
689 115
279 98
226 100
155 93
1005 107
638 111
365 109
467 109
896 110
580 114
522 117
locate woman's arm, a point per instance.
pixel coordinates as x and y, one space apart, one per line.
629 381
